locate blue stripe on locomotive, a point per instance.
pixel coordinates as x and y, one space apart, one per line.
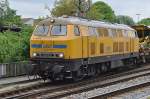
54 46
36 45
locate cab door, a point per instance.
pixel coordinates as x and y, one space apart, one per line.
131 41
85 37
136 40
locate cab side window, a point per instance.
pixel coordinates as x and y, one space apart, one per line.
92 31
114 32
120 34
76 31
125 33
100 33
95 31
105 31
110 32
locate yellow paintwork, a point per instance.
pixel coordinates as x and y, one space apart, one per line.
81 46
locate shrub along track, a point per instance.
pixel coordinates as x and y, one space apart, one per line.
53 91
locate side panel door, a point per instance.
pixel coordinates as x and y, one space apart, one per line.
105 42
85 41
92 42
74 41
131 42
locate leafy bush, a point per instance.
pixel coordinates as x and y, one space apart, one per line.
15 46
145 21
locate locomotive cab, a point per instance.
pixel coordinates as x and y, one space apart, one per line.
56 48
55 40
46 41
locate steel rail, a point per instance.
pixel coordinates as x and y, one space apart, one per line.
64 90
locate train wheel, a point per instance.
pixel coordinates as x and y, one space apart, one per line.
32 73
98 71
105 67
43 75
91 70
94 70
143 59
78 75
135 61
53 78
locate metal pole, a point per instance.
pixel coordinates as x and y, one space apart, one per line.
82 7
79 7
138 17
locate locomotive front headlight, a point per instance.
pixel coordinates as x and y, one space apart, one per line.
52 20
61 55
34 54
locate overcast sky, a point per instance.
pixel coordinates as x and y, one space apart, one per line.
36 8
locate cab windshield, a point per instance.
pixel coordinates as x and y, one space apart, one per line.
59 30
41 30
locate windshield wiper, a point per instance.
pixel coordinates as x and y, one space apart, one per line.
44 28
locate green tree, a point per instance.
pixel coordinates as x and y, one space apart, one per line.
11 18
64 7
7 15
101 11
122 19
14 46
98 10
145 21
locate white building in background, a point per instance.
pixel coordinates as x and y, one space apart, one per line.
28 21
3 6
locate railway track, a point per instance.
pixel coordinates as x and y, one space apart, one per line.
14 87
111 80
121 91
57 91
3 81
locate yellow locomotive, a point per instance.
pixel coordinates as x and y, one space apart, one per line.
72 47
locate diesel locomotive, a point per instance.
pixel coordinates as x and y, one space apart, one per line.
71 47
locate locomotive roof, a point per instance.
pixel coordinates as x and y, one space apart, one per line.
81 21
